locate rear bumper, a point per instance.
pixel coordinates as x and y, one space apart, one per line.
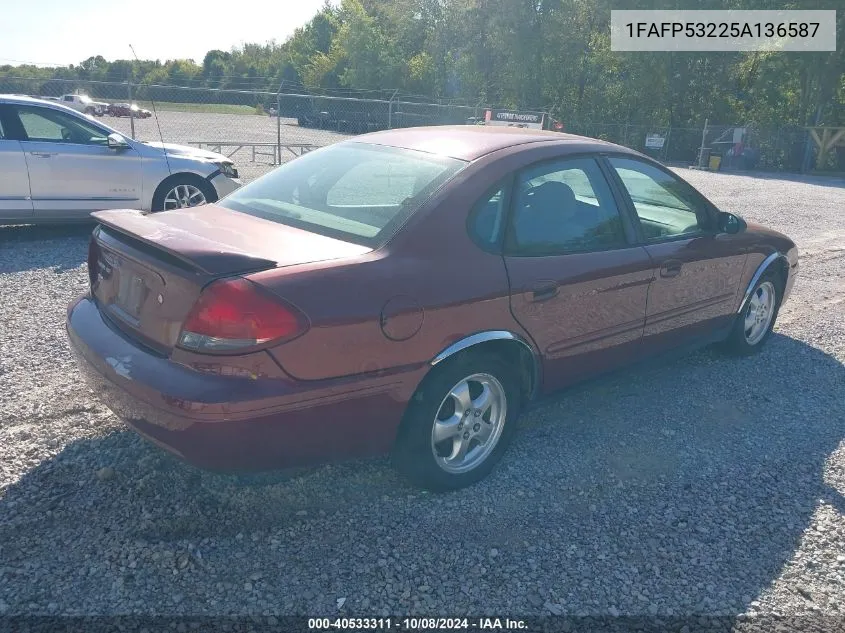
234 423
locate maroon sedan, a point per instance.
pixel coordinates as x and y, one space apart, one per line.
410 291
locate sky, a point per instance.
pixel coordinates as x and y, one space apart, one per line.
62 32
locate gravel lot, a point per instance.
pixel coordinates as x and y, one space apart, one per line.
188 128
702 485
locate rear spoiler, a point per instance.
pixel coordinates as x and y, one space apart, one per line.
197 252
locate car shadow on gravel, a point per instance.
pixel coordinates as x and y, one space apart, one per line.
674 489
31 246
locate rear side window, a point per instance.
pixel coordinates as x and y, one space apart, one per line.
356 192
563 206
488 216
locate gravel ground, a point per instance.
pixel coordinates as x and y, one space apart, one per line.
702 485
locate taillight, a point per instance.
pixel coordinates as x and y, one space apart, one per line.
234 314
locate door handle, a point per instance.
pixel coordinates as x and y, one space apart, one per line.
43 154
544 290
671 268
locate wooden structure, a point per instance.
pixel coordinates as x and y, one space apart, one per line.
826 138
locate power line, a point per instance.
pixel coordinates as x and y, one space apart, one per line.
30 63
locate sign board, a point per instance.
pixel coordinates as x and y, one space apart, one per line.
511 118
654 141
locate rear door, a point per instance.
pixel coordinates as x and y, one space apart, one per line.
698 268
578 282
15 203
72 170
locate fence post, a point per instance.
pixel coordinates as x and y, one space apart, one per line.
808 144
701 150
131 111
278 157
390 110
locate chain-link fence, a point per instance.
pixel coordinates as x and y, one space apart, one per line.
767 149
256 129
260 129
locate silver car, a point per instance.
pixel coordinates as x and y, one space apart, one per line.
57 165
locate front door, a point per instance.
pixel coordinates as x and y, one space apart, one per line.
72 170
698 269
14 178
578 285
14 181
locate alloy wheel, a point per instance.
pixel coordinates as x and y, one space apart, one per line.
183 196
469 423
758 315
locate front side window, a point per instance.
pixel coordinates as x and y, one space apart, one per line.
665 206
563 206
353 191
47 125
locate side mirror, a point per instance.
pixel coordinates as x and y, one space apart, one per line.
730 223
116 141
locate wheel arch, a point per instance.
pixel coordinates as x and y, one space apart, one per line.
514 348
776 262
503 343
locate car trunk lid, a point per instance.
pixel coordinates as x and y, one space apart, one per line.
147 271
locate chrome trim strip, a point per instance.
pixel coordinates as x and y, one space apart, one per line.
82 199
486 337
475 339
674 313
759 273
593 337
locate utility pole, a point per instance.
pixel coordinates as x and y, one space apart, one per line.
131 111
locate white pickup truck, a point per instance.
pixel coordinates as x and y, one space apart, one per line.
84 103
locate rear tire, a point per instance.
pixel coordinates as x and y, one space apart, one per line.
753 326
459 423
175 190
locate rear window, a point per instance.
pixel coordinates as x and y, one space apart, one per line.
352 191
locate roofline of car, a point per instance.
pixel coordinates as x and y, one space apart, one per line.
587 145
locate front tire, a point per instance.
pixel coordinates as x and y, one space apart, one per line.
754 324
459 423
183 191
